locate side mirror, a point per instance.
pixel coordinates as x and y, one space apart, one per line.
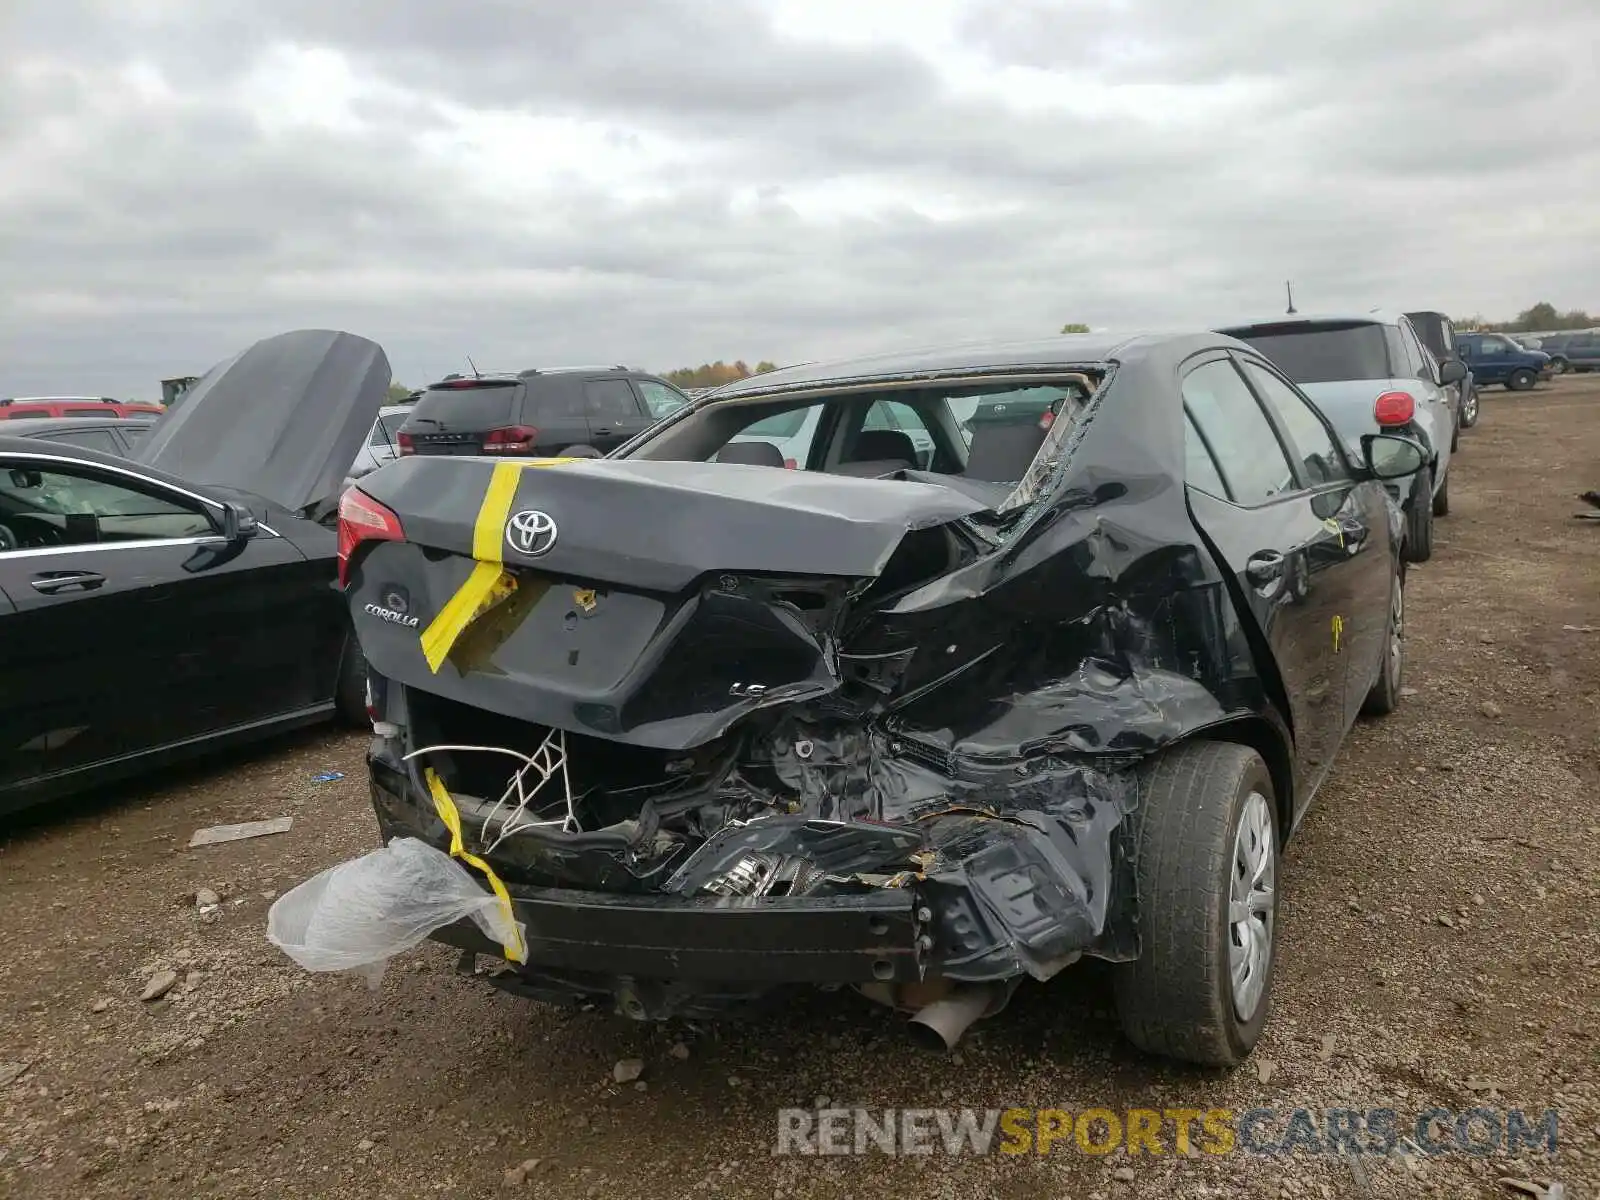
238 523
1452 371
1389 456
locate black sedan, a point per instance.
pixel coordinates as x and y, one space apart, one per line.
710 728
185 598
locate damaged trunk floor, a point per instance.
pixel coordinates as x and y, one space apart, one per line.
250 1078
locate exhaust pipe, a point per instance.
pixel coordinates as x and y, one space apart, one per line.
938 1026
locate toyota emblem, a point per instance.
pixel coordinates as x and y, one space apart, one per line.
531 532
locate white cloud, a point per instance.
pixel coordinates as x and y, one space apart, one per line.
667 181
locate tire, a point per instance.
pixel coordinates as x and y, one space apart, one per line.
1521 380
1469 408
350 693
1179 998
1384 697
1419 520
1441 498
580 452
1559 366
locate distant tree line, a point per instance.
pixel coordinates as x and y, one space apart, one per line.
717 373
1542 316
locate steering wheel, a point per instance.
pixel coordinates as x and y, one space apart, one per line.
35 531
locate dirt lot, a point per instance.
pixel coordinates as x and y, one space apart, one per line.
1439 947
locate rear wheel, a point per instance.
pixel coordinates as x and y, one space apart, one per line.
580 452
1521 380
1419 520
1558 366
1206 860
1469 408
1441 498
1384 697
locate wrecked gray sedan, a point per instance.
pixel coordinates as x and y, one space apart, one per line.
1033 651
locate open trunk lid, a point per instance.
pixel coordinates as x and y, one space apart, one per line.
648 602
282 420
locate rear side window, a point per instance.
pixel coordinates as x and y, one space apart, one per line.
1323 353
1200 469
446 409
1248 452
1319 455
94 439
610 400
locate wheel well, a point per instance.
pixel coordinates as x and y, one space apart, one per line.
1269 742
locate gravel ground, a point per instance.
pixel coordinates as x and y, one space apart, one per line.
1439 947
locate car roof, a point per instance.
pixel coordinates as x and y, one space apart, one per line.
1376 316
1064 351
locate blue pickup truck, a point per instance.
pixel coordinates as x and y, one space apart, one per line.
1495 358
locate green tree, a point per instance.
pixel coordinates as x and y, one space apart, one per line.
398 392
764 366
1075 327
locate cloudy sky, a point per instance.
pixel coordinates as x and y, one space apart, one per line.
660 182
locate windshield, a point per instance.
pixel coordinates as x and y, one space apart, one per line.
1322 353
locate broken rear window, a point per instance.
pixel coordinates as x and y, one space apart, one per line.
1000 438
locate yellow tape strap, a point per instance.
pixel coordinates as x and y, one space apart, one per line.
489 583
448 813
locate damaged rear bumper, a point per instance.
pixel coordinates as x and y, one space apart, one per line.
1005 904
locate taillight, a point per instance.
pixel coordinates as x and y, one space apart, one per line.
1046 419
1394 408
406 443
789 464
512 439
363 519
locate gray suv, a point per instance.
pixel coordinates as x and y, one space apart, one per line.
582 412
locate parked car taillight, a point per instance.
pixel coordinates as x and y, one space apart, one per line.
405 442
1394 408
363 519
512 439
789 464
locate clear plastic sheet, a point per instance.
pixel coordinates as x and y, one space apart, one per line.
359 914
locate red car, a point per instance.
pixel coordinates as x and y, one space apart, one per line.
16 408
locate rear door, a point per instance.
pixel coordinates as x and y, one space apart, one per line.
1281 540
1357 568
133 623
615 411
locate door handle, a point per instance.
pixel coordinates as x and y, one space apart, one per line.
52 582
1264 567
601 432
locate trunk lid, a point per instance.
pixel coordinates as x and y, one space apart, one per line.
455 416
657 603
283 420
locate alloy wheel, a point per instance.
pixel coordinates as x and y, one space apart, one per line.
1250 906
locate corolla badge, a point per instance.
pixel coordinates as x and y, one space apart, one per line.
531 532
392 616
